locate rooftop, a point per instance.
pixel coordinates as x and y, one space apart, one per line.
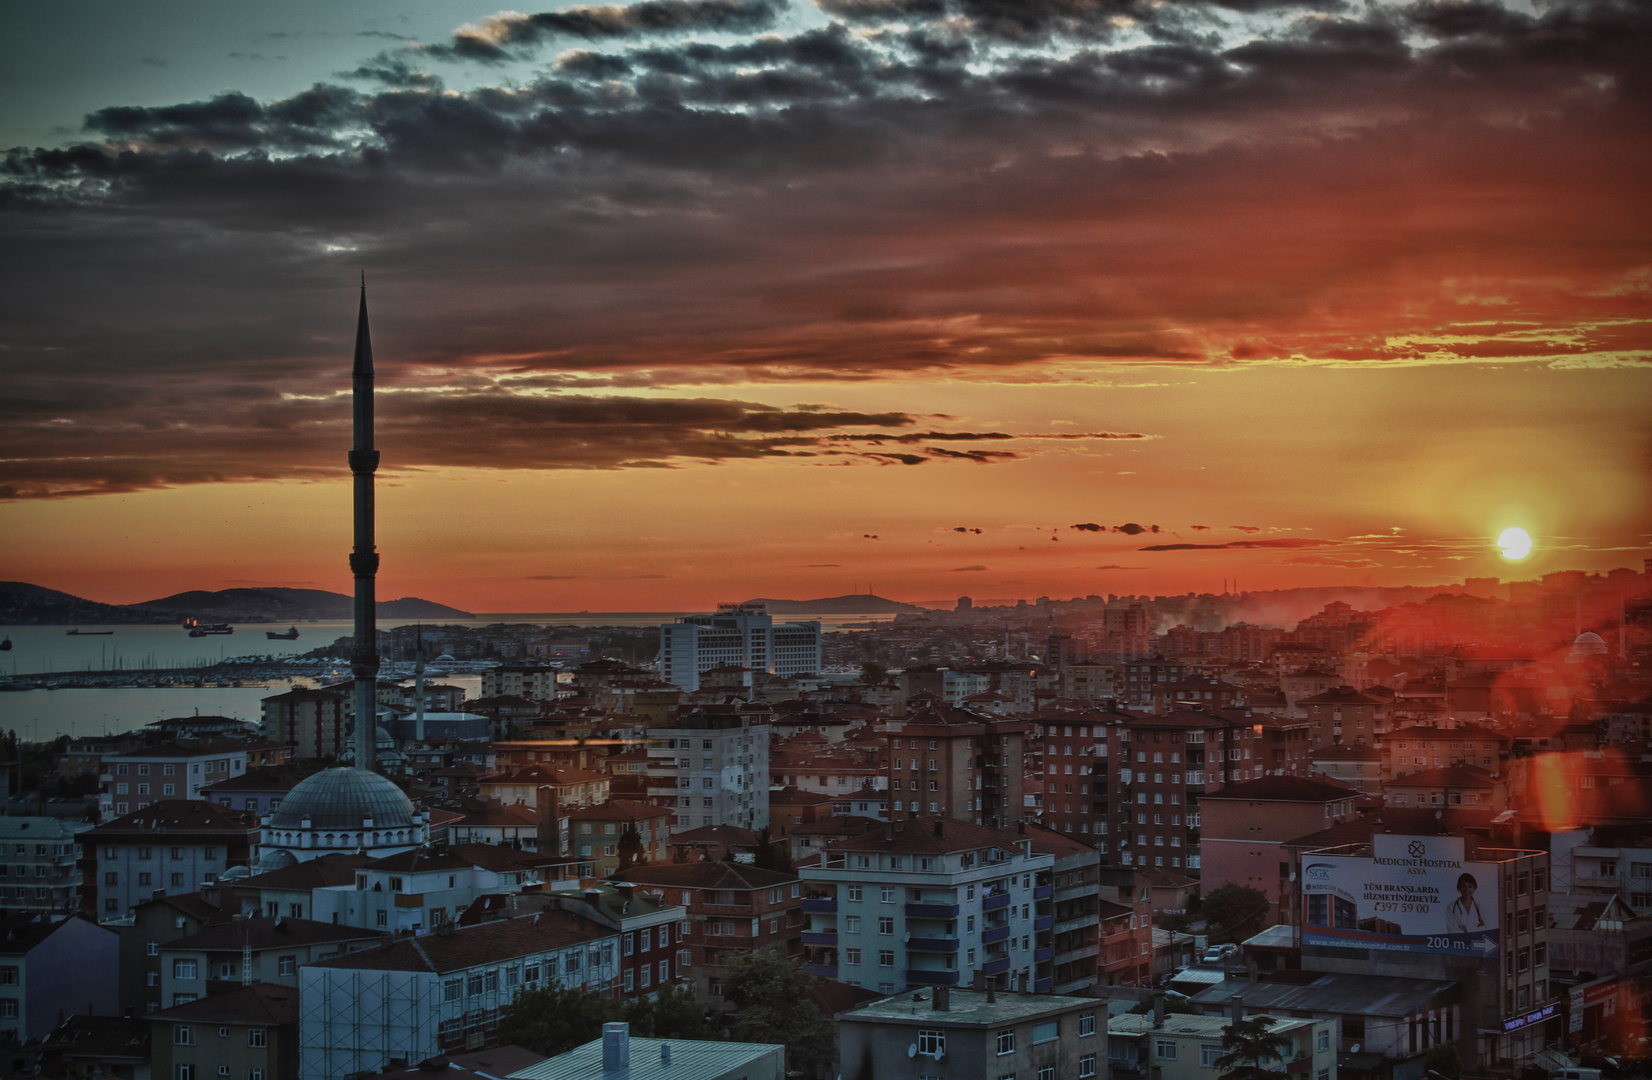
691 1059
1203 1027
968 1007
468 946
1325 992
1285 789
262 1004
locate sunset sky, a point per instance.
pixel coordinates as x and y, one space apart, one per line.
685 301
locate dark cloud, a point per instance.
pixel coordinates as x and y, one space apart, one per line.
1089 526
501 37
1111 566
1287 542
966 569
964 529
1130 528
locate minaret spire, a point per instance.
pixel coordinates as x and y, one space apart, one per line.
364 559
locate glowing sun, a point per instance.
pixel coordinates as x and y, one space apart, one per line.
1515 542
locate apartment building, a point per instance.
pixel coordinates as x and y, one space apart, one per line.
38 864
173 846
533 682
1158 770
732 908
933 901
598 832
316 722
971 1033
250 1033
953 763
418 998
52 968
171 770
424 889
1246 825
743 635
1180 1046
712 768
256 950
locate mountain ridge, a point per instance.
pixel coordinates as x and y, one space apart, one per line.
25 604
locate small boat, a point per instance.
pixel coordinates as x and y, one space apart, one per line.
77 632
203 629
290 634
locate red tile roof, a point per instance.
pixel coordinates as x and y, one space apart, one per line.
468 946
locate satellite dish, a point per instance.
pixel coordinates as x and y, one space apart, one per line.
1354 1049
1293 875
912 1051
906 938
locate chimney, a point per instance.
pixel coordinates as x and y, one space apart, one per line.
550 827
992 996
1158 1009
941 999
665 1053
1238 1008
616 1047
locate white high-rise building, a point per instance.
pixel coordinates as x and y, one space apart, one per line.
742 635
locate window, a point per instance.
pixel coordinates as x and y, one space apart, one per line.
1045 1031
452 989
1006 1042
1323 1041
855 893
286 965
851 924
184 969
887 894
1164 1049
886 958
255 1036
1047 1073
183 1035
1087 1024
1208 1053
931 1043
1087 1065
182 1071
851 956
8 975
8 1008
886 925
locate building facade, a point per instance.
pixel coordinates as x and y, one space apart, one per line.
744 635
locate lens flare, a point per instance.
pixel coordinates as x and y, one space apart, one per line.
1515 542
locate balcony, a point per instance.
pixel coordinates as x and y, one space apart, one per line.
931 911
994 902
994 967
994 934
932 945
1043 986
824 904
1043 952
820 937
1068 956
824 971
1043 892
926 975
1043 922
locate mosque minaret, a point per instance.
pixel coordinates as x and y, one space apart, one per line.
347 810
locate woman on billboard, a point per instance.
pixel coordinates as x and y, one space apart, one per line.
1463 915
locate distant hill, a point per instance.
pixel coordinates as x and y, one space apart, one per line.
857 604
22 604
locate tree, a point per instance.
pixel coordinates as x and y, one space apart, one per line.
675 1013
770 995
1235 912
873 673
552 1019
631 851
1250 1045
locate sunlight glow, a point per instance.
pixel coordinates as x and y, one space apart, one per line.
1515 542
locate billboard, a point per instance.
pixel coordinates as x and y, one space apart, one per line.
1412 894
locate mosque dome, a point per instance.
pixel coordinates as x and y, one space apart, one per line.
344 799
1585 645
